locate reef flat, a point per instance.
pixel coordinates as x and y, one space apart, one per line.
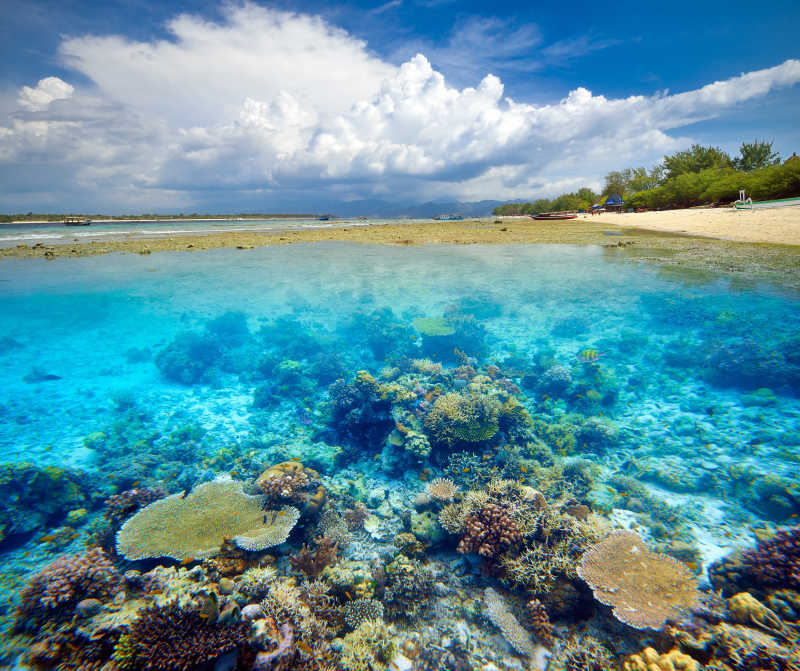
778 264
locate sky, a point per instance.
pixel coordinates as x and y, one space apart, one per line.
133 106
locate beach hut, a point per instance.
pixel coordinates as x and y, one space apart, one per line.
614 202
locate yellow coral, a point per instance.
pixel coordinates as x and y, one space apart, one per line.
650 660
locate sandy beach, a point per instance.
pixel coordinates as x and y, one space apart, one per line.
779 226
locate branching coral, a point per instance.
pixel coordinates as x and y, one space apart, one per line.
168 637
539 621
194 525
53 592
409 587
368 648
312 562
356 612
354 517
582 654
776 561
489 532
644 588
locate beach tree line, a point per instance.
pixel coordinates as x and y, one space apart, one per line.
698 175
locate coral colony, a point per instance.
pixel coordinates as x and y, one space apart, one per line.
435 507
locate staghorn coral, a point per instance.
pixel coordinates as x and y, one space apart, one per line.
441 489
334 526
489 532
644 588
193 526
504 620
168 637
369 648
356 612
650 660
451 517
58 587
291 481
582 654
312 562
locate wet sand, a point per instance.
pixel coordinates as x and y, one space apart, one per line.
675 239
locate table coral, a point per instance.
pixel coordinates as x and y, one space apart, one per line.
644 588
194 525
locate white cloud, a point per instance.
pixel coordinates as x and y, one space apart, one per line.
46 91
273 103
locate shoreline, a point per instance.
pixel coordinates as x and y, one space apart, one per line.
754 246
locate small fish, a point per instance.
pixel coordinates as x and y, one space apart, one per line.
524 469
347 594
589 355
466 470
187 561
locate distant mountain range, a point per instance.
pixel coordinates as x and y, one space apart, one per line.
380 208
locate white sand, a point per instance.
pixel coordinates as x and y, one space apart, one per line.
777 226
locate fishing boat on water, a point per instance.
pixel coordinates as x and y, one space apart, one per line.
555 216
448 217
77 221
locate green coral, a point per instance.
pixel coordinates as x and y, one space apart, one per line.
433 326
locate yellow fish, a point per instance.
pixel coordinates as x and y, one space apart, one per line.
589 355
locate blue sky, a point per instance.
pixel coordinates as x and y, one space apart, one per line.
133 106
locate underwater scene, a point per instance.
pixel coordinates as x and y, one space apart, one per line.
367 458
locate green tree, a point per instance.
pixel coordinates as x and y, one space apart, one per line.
756 155
615 182
695 159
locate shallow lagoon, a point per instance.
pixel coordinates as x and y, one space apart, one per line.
687 383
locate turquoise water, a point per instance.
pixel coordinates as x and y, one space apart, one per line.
676 397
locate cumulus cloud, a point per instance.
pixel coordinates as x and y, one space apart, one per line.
46 91
271 104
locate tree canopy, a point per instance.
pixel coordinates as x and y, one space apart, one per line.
756 155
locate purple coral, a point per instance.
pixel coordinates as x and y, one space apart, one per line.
121 506
776 561
66 581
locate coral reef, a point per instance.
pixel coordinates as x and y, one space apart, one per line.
357 611
169 637
650 660
643 588
290 481
408 587
441 489
312 562
56 589
504 620
194 525
369 648
488 532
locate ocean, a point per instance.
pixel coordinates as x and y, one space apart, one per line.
463 423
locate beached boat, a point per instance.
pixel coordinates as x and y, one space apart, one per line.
448 217
77 221
766 204
554 216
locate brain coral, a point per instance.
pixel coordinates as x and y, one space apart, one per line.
644 588
194 525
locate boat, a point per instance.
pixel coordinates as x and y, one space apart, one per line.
324 217
554 216
448 217
748 204
77 221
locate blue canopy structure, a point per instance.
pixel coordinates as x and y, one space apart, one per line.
614 201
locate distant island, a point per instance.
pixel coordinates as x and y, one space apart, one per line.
33 217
